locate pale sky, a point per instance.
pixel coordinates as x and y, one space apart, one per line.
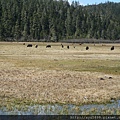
89 2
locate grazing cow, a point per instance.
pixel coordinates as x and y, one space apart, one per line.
36 46
87 48
112 48
62 45
23 43
48 46
29 45
74 46
68 47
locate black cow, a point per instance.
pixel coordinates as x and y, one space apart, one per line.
36 46
23 43
68 47
62 45
112 48
48 46
29 45
87 48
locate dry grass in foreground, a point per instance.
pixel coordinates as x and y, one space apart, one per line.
51 86
58 75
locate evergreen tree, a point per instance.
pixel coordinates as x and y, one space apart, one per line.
68 23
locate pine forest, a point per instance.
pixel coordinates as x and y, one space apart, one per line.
54 20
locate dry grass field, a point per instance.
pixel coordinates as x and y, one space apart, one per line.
59 75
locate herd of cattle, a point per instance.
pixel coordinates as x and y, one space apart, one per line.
49 46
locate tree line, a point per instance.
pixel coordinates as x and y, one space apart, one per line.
54 20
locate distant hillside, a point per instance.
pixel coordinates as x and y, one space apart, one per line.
54 20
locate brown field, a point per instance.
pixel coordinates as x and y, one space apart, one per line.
59 75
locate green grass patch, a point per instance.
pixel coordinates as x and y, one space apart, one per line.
94 65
